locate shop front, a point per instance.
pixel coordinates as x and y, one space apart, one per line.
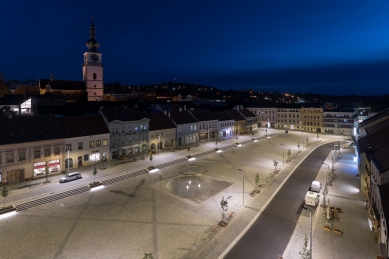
40 167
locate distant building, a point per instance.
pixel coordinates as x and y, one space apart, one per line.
339 120
289 116
265 112
312 117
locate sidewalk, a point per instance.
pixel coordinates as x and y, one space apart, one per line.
357 240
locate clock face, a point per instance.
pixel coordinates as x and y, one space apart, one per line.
94 58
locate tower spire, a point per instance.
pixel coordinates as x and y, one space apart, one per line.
92 43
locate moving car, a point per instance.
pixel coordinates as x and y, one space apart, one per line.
70 177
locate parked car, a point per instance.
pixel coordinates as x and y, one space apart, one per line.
70 177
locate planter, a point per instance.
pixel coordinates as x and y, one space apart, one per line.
7 209
152 169
95 184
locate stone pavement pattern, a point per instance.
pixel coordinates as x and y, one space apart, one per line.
140 215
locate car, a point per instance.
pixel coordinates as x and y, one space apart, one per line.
70 177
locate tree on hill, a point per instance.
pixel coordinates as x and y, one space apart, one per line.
3 86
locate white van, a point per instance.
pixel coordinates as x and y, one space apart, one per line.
312 198
315 186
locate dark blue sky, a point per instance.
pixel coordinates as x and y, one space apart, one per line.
334 47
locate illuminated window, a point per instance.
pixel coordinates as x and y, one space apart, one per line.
91 143
98 143
105 142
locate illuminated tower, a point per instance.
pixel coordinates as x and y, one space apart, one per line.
92 68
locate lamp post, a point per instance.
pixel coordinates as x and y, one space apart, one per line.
68 160
328 170
243 183
159 141
282 154
310 233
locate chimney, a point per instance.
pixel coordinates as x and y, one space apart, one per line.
165 112
185 107
180 109
237 107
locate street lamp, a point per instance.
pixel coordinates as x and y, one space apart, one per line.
310 234
243 183
282 154
68 160
328 170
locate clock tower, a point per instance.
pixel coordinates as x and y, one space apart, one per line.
92 68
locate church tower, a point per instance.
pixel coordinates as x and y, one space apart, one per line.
92 68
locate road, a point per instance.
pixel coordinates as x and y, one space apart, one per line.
269 235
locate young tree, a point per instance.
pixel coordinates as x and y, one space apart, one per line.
3 86
257 179
305 253
324 191
102 160
94 174
275 165
307 141
224 206
289 154
4 194
148 256
151 157
188 150
298 147
47 171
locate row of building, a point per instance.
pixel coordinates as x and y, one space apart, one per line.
372 150
31 144
312 117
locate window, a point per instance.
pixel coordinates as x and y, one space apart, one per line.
10 158
91 144
129 139
69 147
122 129
94 76
117 130
105 142
80 145
37 153
22 156
98 143
56 151
95 86
47 152
86 157
194 127
123 141
94 93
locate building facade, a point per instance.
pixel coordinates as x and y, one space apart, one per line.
208 124
129 131
28 145
187 128
162 131
339 121
86 140
312 117
288 116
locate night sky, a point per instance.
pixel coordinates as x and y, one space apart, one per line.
333 47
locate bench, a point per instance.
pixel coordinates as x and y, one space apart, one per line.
230 216
337 231
327 228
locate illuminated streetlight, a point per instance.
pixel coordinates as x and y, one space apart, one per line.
243 183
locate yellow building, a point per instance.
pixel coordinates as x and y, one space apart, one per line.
312 117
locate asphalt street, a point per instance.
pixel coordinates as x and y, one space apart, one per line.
270 234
